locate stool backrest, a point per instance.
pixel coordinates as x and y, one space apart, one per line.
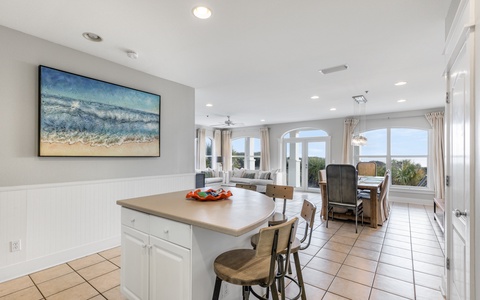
284 192
274 240
308 214
279 191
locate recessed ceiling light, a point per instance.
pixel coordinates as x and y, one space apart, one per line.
262 120
401 83
333 109
314 97
333 69
92 37
209 105
202 12
401 100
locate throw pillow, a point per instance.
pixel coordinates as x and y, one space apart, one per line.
208 174
248 175
264 175
237 173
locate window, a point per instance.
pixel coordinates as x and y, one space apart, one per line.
402 150
208 152
246 153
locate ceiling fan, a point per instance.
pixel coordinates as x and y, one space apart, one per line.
228 123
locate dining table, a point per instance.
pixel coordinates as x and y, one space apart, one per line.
371 183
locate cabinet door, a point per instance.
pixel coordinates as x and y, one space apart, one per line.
170 271
135 260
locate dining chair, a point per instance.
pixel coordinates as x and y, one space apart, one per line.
308 214
367 168
257 267
342 182
383 208
284 192
251 187
322 175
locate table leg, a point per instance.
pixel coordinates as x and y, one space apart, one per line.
323 189
373 208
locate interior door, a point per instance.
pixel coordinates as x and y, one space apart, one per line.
458 235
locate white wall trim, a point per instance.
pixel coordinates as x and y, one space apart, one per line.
410 200
61 222
35 265
74 183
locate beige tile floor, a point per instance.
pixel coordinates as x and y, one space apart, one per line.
401 260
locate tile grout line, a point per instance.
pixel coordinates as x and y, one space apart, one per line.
378 262
411 254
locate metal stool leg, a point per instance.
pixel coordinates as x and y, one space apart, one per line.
216 291
298 269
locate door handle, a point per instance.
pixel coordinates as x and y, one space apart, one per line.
459 213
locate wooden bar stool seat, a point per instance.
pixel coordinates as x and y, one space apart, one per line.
249 267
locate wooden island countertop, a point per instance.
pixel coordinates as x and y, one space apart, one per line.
242 212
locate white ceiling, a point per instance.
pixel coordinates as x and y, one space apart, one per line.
259 59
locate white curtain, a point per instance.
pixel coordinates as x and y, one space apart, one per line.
265 149
217 138
348 129
227 150
201 161
436 120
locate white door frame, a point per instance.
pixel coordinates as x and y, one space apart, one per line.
462 33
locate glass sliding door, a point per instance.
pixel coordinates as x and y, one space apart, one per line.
294 163
303 159
315 161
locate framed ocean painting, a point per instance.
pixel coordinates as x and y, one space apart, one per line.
81 116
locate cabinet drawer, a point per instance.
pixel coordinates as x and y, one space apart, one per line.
135 219
172 231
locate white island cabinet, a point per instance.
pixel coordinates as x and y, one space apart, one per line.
156 257
169 243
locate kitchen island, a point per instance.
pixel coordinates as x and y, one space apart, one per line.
169 243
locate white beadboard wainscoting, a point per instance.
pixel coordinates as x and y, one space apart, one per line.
60 222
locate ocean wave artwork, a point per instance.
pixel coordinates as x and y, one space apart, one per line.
95 118
70 121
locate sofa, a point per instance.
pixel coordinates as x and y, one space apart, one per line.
212 177
256 177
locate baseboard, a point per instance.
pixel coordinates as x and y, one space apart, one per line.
32 266
411 200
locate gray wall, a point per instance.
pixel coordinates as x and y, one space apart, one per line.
20 56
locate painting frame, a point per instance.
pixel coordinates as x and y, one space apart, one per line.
79 116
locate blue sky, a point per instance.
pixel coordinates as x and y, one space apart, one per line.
404 141
82 88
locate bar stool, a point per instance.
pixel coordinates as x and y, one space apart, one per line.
250 267
284 192
308 214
